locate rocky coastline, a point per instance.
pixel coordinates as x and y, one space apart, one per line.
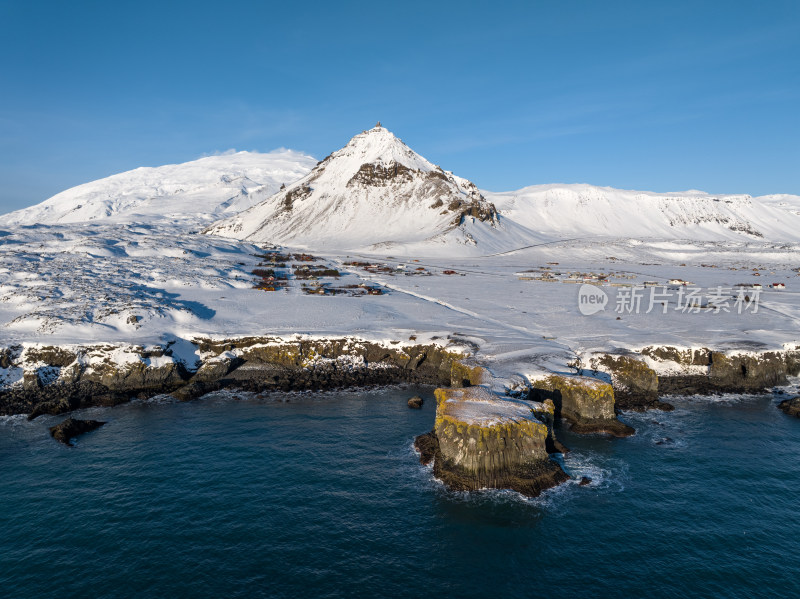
481 438
56 380
641 379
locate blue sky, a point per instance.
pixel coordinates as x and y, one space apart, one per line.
660 96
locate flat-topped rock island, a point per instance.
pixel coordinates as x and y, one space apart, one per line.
481 441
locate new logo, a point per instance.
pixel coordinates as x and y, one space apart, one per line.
591 300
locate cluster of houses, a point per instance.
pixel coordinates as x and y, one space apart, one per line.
547 275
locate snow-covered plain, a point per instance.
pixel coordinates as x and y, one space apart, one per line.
139 284
121 261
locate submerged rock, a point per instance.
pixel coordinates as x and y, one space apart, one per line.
791 406
415 402
481 441
587 403
71 428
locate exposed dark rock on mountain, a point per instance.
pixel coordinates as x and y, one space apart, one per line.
375 190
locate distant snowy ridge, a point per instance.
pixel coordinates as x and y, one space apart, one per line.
586 210
194 192
374 192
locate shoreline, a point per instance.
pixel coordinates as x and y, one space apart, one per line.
57 379
481 438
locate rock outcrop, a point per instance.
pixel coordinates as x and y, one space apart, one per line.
791 406
641 378
587 403
635 383
71 428
482 441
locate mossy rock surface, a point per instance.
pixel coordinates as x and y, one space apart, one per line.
587 403
484 438
578 397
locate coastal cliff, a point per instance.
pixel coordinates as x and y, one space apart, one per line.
55 380
641 378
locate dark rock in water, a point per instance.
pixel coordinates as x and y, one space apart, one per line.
585 481
790 406
427 445
194 390
71 428
415 402
614 428
664 441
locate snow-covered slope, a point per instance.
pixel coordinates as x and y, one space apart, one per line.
377 195
194 192
588 211
374 193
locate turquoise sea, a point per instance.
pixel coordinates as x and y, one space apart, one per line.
322 495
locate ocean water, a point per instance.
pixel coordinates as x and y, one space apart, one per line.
322 495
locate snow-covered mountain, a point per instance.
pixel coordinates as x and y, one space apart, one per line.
377 194
195 192
587 211
374 192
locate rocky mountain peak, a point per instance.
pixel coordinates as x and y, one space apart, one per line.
375 177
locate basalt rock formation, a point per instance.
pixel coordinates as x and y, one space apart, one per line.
481 441
641 378
586 403
635 383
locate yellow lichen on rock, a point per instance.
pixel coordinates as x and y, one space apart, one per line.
581 397
487 435
585 402
463 375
